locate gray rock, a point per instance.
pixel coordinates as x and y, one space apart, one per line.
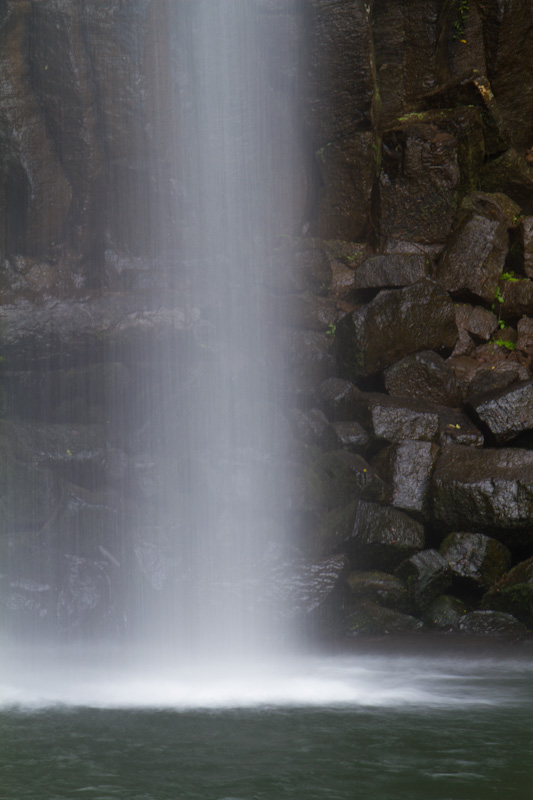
368 618
423 376
491 623
476 320
383 537
484 490
411 468
517 298
312 427
474 257
426 575
379 587
488 379
514 593
444 613
507 412
339 399
475 560
393 270
397 419
396 323
351 436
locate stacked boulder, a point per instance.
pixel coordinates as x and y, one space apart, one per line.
422 422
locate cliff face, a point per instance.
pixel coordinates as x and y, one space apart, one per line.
398 291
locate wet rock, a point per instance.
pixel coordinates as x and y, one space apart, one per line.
339 84
312 427
73 332
476 320
423 376
288 271
476 561
488 379
333 529
398 419
311 351
395 324
426 575
383 537
474 257
335 479
313 592
495 206
445 613
418 184
510 174
411 467
524 342
517 298
484 490
374 619
347 168
352 436
526 231
507 412
514 593
339 399
86 394
406 42
491 623
379 587
305 311
393 270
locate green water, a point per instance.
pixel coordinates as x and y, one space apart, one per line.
476 742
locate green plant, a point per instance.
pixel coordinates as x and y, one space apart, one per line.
332 330
510 277
459 24
505 343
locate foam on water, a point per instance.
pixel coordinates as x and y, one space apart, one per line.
359 681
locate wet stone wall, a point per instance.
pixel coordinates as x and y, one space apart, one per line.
411 349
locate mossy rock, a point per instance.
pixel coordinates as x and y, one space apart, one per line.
514 593
373 619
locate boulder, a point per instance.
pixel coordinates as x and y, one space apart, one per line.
474 257
379 587
393 270
517 298
508 412
339 398
374 619
491 623
488 379
332 530
444 613
514 593
312 427
396 419
479 322
509 173
411 465
426 575
352 436
423 376
488 491
476 561
395 324
383 537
